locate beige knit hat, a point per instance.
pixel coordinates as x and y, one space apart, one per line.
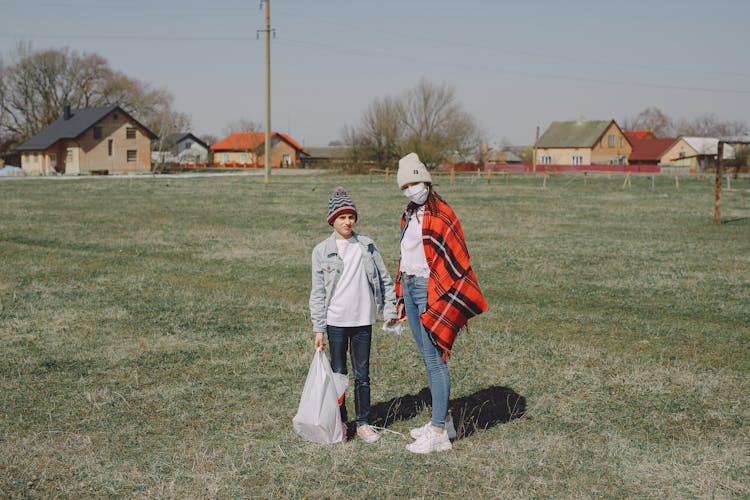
410 169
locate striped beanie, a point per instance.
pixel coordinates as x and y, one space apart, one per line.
340 203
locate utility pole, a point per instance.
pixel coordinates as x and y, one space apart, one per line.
534 152
267 153
717 189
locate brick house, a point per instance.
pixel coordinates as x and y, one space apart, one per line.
583 142
248 149
89 140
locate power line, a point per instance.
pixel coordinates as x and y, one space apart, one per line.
516 72
392 56
365 28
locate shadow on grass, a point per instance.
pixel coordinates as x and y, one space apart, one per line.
482 410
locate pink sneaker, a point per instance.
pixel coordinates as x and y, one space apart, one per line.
368 433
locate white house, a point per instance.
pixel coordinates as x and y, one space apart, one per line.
180 148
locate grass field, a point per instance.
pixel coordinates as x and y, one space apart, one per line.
154 339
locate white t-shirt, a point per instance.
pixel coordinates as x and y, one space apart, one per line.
352 304
413 260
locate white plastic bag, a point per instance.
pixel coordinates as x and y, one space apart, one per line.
318 418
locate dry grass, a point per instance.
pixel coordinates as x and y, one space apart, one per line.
155 338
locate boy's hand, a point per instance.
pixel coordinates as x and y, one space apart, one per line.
319 344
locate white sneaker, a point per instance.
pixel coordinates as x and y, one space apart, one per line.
430 441
415 433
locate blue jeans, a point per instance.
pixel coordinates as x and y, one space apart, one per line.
359 339
415 303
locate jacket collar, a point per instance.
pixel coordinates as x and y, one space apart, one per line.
332 248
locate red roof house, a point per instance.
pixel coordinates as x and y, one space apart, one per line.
639 134
247 149
649 150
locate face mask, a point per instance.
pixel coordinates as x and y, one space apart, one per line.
417 193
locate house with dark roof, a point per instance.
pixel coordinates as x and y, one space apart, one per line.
182 147
326 156
247 149
89 140
583 142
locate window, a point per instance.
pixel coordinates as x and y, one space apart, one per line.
225 157
682 154
130 133
132 155
546 160
243 157
611 140
577 160
109 147
97 132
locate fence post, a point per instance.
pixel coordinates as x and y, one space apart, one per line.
387 173
677 181
453 174
489 175
653 182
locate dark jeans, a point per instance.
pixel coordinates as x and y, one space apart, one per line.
359 338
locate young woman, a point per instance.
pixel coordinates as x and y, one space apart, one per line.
436 290
349 284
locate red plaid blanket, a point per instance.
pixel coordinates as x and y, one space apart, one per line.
453 294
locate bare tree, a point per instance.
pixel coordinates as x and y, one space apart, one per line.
242 125
706 125
709 125
436 127
653 119
380 132
38 84
426 119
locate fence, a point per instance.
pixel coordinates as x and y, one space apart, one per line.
571 175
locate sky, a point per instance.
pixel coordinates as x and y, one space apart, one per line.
514 65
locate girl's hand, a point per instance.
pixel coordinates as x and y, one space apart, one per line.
319 344
401 311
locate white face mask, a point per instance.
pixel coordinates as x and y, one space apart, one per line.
417 193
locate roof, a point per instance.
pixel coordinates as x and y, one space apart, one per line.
709 146
243 141
573 134
649 148
171 140
80 121
639 134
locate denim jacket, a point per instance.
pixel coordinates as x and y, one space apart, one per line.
326 271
